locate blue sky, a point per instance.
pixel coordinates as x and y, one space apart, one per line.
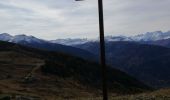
52 19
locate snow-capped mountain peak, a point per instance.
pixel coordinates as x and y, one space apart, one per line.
25 38
117 38
5 37
19 38
152 36
70 41
149 36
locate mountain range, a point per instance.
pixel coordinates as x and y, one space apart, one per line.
145 56
34 42
145 37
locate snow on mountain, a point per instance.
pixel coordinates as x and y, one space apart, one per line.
117 38
152 36
73 42
70 41
5 37
19 38
149 36
25 38
31 39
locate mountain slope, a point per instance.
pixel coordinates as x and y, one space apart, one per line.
163 42
34 42
148 63
29 71
162 94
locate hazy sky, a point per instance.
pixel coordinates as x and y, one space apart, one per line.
52 19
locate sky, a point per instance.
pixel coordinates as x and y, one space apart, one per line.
54 19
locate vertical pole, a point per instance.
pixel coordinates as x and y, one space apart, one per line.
102 50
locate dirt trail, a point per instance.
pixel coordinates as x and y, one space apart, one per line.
38 66
33 71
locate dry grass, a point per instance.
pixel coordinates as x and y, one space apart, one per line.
15 66
163 94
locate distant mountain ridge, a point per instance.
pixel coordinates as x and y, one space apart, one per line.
69 45
18 38
163 42
70 41
149 36
34 42
152 36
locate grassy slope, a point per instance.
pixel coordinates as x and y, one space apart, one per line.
163 94
62 76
